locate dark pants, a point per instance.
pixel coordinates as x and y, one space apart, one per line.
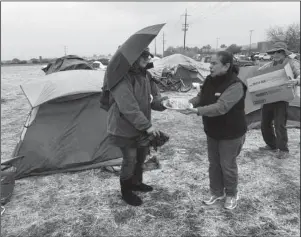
223 171
277 112
132 163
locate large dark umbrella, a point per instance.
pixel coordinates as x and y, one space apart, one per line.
128 53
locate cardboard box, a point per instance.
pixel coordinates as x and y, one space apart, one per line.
269 85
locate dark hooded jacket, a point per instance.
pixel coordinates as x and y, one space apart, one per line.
130 114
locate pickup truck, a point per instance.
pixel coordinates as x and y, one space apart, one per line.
243 62
263 56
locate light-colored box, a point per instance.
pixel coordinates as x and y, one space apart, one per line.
270 85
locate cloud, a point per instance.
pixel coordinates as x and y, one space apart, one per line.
31 29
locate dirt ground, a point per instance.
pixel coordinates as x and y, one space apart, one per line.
88 203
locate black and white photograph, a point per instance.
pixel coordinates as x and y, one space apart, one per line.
153 119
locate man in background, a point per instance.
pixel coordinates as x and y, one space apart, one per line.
276 112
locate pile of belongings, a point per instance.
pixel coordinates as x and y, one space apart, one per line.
69 62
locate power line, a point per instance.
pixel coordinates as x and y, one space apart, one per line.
218 6
177 22
185 27
196 8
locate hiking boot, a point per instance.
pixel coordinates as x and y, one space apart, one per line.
127 195
231 202
213 198
267 148
142 188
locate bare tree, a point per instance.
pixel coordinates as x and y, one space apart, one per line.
290 35
273 33
234 49
293 37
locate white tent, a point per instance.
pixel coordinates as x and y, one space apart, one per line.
61 84
181 64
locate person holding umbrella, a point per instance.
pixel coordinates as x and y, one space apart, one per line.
134 95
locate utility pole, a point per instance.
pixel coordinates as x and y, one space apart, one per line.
185 28
217 43
65 49
163 45
250 42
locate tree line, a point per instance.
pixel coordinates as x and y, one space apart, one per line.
31 61
290 35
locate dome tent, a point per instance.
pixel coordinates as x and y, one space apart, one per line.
69 62
66 128
184 67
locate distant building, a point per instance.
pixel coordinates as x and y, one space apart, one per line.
254 47
260 47
264 46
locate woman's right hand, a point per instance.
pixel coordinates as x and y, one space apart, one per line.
153 131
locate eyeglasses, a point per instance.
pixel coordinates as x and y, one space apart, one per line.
278 51
145 56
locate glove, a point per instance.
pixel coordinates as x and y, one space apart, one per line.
146 140
159 141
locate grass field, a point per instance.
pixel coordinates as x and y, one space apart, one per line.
88 203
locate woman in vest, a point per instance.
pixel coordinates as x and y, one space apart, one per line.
221 105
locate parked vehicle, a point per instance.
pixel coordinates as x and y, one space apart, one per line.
243 63
267 57
243 57
256 56
260 56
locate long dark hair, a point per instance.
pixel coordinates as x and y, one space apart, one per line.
227 57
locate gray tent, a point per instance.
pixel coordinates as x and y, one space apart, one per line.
69 62
66 129
184 67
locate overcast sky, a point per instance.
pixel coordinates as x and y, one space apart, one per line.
30 30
